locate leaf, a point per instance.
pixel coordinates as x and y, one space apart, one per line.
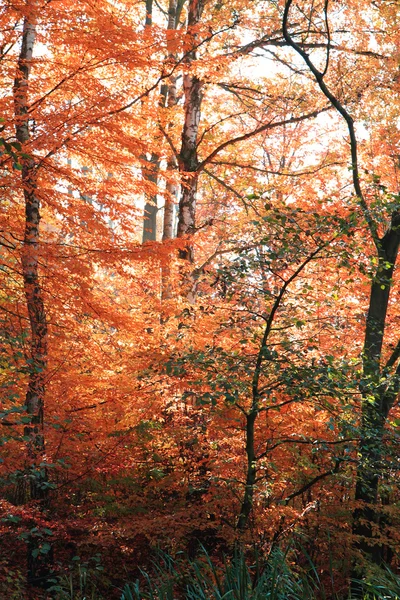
45 548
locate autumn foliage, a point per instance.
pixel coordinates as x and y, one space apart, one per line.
199 316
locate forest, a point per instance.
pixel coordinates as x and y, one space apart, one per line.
199 300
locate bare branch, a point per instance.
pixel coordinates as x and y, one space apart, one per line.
280 173
313 481
319 78
393 357
265 127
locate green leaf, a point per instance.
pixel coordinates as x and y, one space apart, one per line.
11 519
45 548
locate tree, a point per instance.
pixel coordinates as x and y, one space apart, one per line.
380 377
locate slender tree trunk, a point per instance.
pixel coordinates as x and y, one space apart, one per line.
170 202
251 416
169 95
247 504
168 230
171 100
151 170
188 158
37 476
150 174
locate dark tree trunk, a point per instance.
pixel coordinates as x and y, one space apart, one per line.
380 387
251 474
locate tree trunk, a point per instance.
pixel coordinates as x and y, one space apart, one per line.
188 156
171 101
379 391
380 385
150 174
169 206
37 476
188 159
251 475
150 171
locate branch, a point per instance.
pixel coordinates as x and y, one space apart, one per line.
393 357
170 142
270 172
275 406
90 407
316 45
312 442
226 186
222 120
328 33
265 127
319 78
314 481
